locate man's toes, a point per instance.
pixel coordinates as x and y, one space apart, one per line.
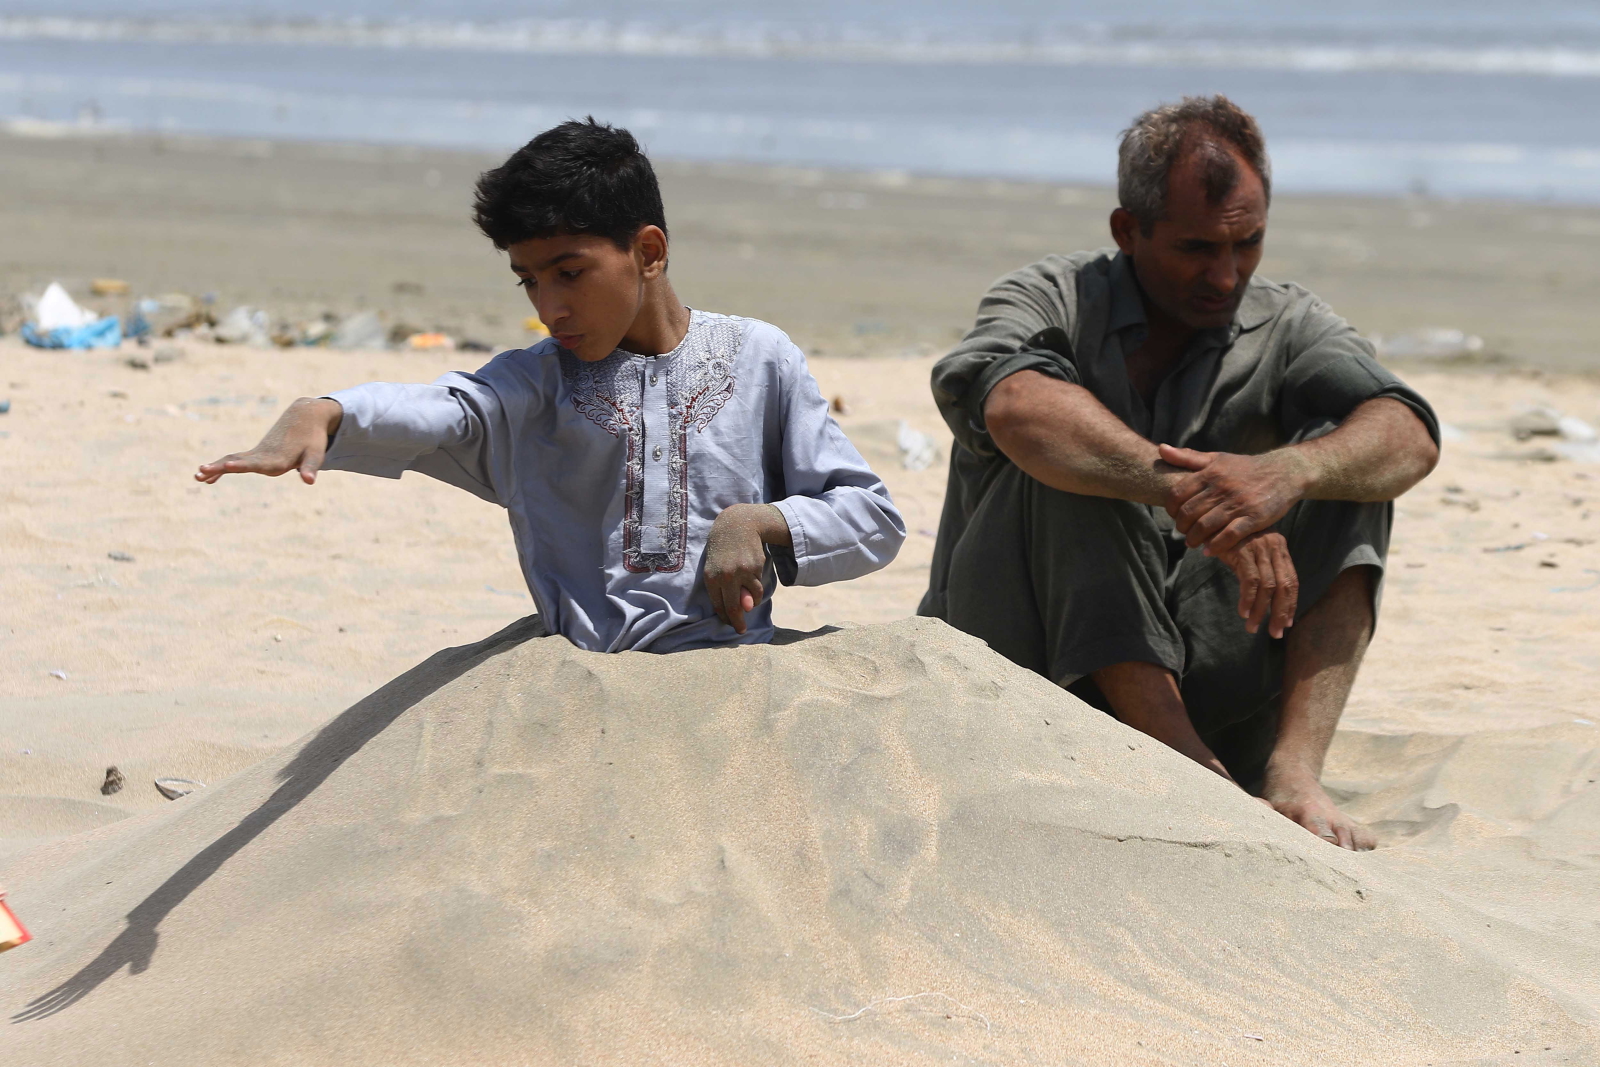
1365 839
1319 826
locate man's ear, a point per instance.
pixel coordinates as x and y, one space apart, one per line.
1124 227
650 247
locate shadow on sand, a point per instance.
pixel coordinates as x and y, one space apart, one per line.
316 760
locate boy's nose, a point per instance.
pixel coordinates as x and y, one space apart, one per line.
552 315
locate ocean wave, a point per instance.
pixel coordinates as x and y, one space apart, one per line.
760 41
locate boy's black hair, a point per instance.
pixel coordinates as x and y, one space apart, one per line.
576 178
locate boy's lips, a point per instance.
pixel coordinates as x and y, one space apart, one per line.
568 341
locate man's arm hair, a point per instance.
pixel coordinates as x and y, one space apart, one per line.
1380 451
1061 435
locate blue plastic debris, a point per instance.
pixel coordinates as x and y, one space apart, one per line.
102 333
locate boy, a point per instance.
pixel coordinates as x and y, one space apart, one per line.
660 466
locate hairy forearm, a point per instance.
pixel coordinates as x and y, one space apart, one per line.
1060 435
1379 452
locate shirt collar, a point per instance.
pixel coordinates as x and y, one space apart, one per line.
1127 305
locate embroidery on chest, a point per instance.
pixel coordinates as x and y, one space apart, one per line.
612 394
607 392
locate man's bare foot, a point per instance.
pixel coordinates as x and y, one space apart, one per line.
1299 796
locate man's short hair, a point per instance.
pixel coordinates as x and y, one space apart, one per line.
576 178
1204 125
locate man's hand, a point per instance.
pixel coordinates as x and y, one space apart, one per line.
1269 588
297 441
1229 497
736 557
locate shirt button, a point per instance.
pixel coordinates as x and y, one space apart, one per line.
657 452
652 377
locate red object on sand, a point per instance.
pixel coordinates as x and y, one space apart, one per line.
12 932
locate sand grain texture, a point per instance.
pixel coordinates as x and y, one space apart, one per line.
522 853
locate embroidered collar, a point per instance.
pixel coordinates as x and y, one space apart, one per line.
612 394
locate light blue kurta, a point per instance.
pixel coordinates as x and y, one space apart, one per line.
613 472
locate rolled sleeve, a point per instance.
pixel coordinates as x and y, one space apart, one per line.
1015 314
1334 371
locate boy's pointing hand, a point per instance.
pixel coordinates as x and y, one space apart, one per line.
736 556
297 441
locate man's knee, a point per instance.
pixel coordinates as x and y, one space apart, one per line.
1336 541
1351 596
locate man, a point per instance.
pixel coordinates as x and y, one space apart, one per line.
1171 486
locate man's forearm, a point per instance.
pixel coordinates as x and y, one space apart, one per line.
1059 434
1380 450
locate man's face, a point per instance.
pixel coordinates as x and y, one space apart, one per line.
586 290
1195 265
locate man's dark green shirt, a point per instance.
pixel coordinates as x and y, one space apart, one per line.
1286 363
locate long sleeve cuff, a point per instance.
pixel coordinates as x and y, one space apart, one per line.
354 447
843 534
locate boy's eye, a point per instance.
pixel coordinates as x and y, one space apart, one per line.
526 282
570 275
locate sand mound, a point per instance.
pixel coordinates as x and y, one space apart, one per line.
881 845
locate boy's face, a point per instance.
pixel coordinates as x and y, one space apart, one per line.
586 290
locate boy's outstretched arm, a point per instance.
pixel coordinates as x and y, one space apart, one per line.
453 430
298 441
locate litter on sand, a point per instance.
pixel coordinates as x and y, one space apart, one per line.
1544 421
244 326
1431 343
918 451
12 932
362 330
424 342
58 322
173 788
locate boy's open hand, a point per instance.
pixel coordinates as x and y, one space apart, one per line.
297 441
736 556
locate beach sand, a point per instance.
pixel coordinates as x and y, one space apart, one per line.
253 612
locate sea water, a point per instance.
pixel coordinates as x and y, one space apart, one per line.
1440 97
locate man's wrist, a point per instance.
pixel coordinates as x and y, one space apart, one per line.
1300 470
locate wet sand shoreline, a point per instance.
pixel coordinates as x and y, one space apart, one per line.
849 264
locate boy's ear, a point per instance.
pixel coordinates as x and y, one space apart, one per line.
650 248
